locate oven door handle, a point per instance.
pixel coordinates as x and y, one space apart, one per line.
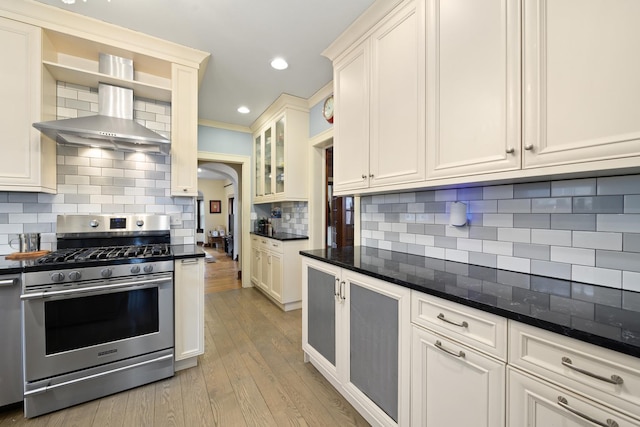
47 294
94 376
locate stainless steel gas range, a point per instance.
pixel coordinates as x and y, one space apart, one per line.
98 312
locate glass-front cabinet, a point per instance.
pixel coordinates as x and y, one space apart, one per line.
280 152
259 190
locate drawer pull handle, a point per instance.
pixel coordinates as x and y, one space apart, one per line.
464 324
615 379
459 354
565 405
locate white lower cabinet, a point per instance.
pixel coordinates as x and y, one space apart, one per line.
275 270
537 403
454 385
356 331
189 311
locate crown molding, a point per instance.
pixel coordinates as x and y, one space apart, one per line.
363 24
223 125
283 101
63 21
321 94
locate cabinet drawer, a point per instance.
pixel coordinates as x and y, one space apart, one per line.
273 245
611 377
537 403
476 328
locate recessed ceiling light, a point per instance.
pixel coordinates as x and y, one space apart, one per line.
243 110
279 63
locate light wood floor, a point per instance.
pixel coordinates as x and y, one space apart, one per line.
221 275
252 374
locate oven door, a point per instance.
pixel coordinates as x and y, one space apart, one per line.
108 321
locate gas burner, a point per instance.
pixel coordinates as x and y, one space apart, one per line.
109 253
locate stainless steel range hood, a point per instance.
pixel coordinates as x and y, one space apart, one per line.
114 126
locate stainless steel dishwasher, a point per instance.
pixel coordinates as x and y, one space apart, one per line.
11 384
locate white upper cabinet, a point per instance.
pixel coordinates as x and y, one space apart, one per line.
184 131
473 87
351 120
280 151
581 81
379 104
28 162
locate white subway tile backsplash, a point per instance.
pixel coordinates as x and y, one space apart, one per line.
631 281
622 223
433 252
597 276
554 228
551 237
497 248
456 255
483 206
522 235
551 205
497 220
446 196
628 184
573 255
522 265
514 206
631 204
594 240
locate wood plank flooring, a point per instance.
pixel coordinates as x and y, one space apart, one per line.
252 374
221 275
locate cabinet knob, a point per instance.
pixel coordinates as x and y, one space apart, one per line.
364 176
184 189
371 176
511 150
528 147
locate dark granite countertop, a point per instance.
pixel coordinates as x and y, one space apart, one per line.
603 316
10 266
187 251
282 236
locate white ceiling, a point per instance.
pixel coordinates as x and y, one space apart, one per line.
242 37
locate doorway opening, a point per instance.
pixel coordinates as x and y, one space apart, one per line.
340 211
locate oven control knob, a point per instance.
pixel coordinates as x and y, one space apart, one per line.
106 272
75 275
135 269
139 223
94 223
57 277
148 268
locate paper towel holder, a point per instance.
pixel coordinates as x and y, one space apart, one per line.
458 214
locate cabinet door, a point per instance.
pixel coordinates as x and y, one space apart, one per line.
473 87
184 131
189 303
257 157
397 145
265 277
275 275
21 92
351 120
321 287
267 163
279 156
536 403
447 377
256 267
375 327
582 81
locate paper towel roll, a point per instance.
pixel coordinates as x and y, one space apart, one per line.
458 214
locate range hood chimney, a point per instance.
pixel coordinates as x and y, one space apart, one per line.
114 126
